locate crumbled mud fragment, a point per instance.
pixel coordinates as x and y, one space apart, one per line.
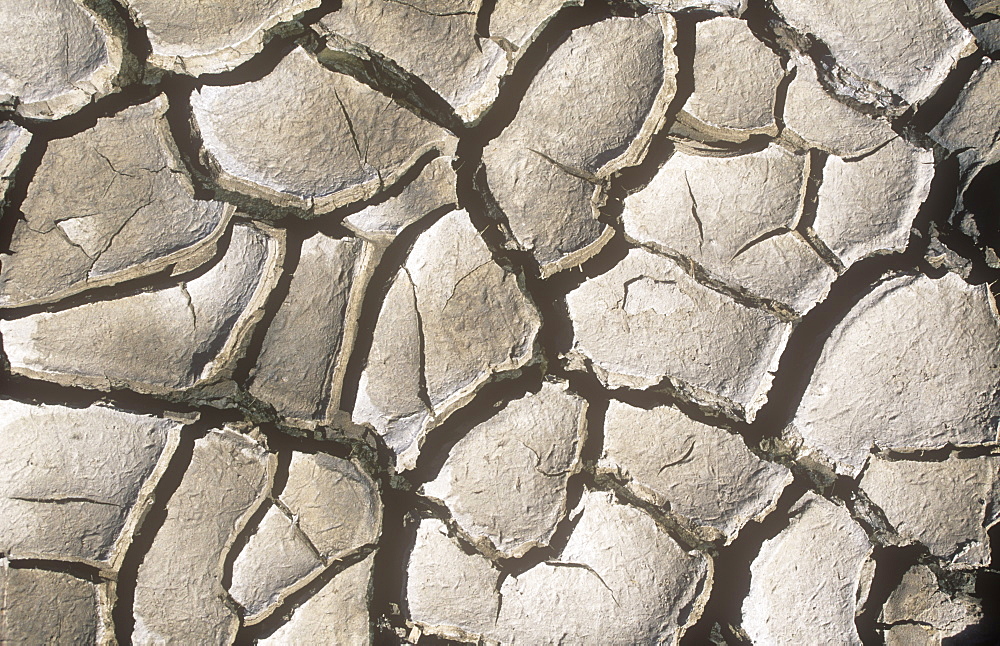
76 482
110 204
941 256
948 506
58 56
971 129
811 579
301 364
194 37
589 112
531 447
646 321
461 54
736 217
919 612
706 475
872 384
733 8
453 319
822 121
336 142
988 36
179 593
13 142
736 79
981 8
886 68
158 341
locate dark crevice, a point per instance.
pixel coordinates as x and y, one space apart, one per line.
805 343
946 452
487 402
737 293
863 510
244 368
388 604
35 391
122 615
769 27
252 525
156 281
137 47
891 563
815 165
924 117
724 611
722 616
251 634
43 133
283 445
278 41
764 237
585 385
781 94
566 281
483 18
391 261
202 170
80 571
489 219
311 17
966 16
422 394
331 223
674 525
661 148
515 86
987 590
473 190
256 68
810 203
86 118
133 86
981 201
957 228
664 395
384 75
558 540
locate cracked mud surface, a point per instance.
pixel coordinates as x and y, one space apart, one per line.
496 321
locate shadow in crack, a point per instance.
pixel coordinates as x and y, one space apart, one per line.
982 200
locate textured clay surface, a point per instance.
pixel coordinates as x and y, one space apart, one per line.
426 322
